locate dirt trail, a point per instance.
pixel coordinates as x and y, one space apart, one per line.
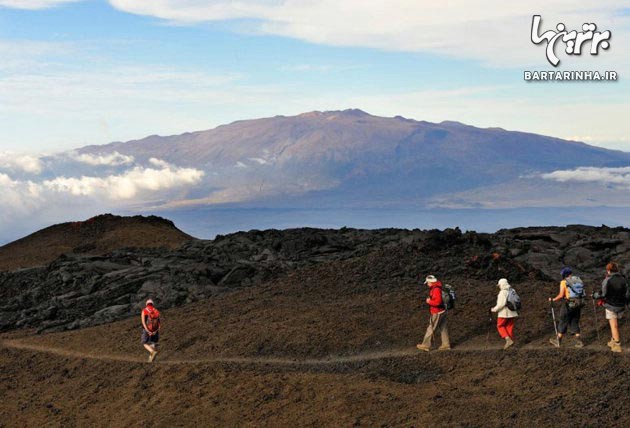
473 346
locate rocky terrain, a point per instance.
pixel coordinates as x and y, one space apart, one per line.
98 235
310 327
78 290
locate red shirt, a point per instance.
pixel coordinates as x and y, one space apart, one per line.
148 313
436 305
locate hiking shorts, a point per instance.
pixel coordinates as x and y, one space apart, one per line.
150 340
612 315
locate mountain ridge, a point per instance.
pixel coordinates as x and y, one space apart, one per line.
350 154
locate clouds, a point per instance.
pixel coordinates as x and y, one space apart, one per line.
112 159
127 185
134 186
619 177
34 4
21 162
492 31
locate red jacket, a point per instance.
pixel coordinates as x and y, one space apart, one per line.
436 305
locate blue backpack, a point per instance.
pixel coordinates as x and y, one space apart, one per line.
575 286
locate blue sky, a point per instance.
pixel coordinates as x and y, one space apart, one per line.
89 72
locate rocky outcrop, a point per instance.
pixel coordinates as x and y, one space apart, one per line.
78 291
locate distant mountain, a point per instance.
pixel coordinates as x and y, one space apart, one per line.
351 158
98 235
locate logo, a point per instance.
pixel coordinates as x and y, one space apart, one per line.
573 40
574 43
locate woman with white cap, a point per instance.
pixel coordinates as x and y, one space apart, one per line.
505 315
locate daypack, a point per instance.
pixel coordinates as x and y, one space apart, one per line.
575 287
513 300
153 320
448 296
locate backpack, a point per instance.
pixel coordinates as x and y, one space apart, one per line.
153 320
575 286
448 296
513 300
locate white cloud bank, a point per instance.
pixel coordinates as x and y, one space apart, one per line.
22 162
610 176
111 159
136 185
128 185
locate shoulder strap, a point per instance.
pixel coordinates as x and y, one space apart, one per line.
568 284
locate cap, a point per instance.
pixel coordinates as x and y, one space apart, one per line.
149 302
566 272
430 279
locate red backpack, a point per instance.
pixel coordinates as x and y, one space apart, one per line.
153 319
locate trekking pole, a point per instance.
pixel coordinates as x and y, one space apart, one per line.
489 330
595 318
555 326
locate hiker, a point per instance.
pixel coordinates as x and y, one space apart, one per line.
506 315
571 295
150 329
437 322
613 297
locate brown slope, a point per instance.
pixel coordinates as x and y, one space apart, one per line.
342 308
98 235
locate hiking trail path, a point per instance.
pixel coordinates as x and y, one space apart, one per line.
471 346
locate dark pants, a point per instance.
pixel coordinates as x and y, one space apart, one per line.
569 319
148 339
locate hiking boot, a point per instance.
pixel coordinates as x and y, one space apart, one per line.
508 342
610 343
578 343
445 348
152 356
555 342
616 347
422 347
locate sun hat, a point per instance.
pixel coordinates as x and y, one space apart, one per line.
430 279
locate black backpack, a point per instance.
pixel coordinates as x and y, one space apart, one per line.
448 296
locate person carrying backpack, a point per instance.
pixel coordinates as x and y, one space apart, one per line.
437 322
614 297
507 307
150 318
571 295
